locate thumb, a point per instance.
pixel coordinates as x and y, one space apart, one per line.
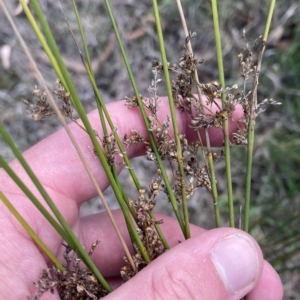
223 263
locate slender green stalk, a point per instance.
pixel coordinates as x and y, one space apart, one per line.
251 124
214 191
211 170
103 111
225 123
65 76
86 51
74 241
187 233
269 20
31 232
78 105
42 40
34 179
218 46
33 199
210 167
250 147
145 119
101 105
81 252
189 44
133 233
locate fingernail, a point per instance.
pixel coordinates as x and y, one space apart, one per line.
236 261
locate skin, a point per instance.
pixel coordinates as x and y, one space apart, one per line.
56 164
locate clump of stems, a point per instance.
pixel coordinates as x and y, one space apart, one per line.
192 163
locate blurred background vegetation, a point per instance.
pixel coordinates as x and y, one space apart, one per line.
276 181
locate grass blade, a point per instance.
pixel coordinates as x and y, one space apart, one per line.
179 157
31 232
145 119
33 199
251 126
225 123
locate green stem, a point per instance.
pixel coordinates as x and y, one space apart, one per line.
251 124
102 111
213 180
187 233
269 20
146 122
225 123
78 105
214 190
74 241
250 147
31 232
34 200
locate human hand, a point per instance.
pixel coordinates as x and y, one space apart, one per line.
223 263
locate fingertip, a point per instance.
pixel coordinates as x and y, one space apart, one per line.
237 259
223 263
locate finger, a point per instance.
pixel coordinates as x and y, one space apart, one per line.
108 256
223 263
58 166
21 263
269 286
